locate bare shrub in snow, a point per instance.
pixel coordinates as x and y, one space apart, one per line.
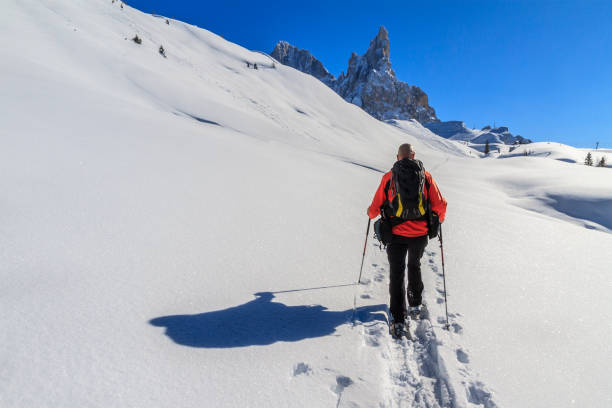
137 39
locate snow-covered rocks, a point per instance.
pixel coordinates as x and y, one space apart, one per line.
456 130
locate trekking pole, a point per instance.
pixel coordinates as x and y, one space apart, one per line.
447 326
364 249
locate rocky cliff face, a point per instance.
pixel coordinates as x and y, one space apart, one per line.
369 81
302 60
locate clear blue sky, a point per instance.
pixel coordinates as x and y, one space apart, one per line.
542 68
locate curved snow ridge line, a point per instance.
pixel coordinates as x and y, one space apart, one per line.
274 61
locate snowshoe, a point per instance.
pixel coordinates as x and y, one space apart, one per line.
418 312
399 330
414 312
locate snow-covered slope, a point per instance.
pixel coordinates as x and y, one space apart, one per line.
187 231
557 151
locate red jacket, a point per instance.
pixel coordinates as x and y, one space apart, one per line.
410 228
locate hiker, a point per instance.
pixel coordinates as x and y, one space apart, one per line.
407 236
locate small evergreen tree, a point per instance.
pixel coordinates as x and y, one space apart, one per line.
602 162
589 159
487 149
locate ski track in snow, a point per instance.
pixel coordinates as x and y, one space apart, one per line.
417 374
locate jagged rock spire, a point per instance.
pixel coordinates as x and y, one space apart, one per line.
379 48
369 81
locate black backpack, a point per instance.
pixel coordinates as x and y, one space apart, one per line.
405 191
406 201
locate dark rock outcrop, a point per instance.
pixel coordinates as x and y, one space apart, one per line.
302 60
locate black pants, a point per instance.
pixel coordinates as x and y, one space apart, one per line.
396 251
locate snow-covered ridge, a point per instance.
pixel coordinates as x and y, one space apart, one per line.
456 130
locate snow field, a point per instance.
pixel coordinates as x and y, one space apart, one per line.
166 221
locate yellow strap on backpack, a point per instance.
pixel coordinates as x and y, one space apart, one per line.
400 207
421 209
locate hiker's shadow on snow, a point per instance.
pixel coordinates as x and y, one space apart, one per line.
260 322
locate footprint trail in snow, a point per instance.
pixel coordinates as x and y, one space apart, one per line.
416 371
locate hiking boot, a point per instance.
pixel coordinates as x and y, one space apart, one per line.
414 312
398 330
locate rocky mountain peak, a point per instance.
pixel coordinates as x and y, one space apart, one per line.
302 60
369 81
379 48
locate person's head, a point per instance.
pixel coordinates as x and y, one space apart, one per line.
405 151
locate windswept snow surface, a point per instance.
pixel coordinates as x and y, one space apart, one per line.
186 231
556 151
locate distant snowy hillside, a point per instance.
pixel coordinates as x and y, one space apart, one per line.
186 230
456 130
556 151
